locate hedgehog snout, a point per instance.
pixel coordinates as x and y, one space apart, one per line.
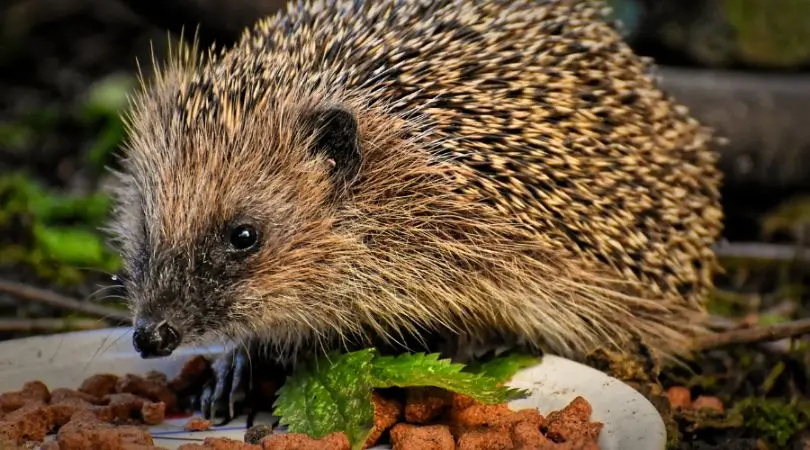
154 339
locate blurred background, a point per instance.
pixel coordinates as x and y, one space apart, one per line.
741 66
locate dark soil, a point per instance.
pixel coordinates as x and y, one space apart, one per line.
53 54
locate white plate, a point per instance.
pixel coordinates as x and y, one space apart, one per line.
64 360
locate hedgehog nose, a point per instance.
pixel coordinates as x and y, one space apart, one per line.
154 340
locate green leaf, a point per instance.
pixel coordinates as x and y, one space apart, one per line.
70 245
503 368
333 394
107 97
419 369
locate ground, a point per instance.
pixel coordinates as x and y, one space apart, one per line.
64 73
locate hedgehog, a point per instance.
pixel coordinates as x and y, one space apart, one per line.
416 175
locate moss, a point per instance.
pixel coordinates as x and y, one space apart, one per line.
54 234
773 421
770 419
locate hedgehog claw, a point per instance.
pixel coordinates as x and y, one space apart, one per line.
242 381
230 382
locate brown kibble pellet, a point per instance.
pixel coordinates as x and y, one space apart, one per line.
153 413
99 385
708 402
36 390
125 405
480 415
425 404
528 415
572 423
679 397
197 424
85 431
32 391
386 414
133 384
219 443
578 410
423 437
64 410
82 419
60 394
298 441
159 378
256 433
9 401
574 431
10 432
31 422
193 374
527 435
460 402
111 437
485 439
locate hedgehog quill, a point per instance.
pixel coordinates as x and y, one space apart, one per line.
439 175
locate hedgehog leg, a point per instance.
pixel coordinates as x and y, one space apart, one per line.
235 389
220 393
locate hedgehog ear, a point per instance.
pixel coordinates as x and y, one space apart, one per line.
338 138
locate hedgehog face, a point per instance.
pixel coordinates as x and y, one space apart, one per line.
233 229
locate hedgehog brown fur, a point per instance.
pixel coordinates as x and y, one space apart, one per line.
516 173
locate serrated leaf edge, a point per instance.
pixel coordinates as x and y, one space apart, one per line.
494 393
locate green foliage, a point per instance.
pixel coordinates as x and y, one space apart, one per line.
334 393
772 419
419 369
55 234
108 97
325 398
105 101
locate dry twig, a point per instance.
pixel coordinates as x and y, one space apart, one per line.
758 250
754 334
61 301
50 325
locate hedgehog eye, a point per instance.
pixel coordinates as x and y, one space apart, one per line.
244 237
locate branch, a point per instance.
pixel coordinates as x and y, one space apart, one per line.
762 115
61 301
754 334
756 250
50 325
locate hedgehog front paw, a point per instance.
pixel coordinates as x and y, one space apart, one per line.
228 387
243 381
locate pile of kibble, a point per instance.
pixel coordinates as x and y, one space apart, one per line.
113 412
